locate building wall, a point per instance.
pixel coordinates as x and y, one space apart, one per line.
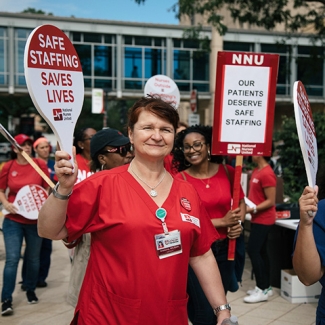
119 41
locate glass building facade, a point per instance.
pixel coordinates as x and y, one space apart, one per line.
304 63
143 57
120 57
136 57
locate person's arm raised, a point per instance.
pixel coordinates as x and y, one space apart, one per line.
52 216
306 260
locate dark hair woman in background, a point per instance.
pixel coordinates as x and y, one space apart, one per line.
81 141
213 182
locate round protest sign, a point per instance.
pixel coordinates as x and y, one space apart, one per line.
306 131
29 201
163 87
55 81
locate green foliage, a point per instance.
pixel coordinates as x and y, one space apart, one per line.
260 13
35 11
294 174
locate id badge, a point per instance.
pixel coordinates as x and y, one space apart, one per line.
168 245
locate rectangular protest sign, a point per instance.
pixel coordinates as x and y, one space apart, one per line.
244 110
244 103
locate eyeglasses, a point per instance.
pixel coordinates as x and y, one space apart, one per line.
122 150
197 146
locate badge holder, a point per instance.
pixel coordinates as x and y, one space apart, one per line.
169 243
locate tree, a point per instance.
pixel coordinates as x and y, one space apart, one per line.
294 15
35 11
294 174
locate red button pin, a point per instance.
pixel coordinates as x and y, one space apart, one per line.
185 203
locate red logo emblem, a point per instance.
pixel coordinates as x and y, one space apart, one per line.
57 114
185 203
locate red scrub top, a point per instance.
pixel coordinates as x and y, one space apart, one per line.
125 282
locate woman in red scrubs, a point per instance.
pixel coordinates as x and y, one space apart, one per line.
146 227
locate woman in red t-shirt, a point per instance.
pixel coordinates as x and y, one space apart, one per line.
14 175
262 187
212 180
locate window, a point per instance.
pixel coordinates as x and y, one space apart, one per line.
153 62
283 82
102 61
201 66
146 41
84 53
310 66
3 56
108 39
97 60
190 65
21 36
92 38
181 65
76 37
238 46
132 62
146 58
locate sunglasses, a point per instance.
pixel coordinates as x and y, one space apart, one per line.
122 150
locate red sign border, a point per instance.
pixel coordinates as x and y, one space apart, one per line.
225 58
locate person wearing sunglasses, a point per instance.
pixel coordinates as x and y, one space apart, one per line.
109 148
214 182
131 278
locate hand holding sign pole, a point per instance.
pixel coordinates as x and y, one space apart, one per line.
235 201
306 132
55 81
244 110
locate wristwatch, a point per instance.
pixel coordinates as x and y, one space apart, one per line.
58 195
220 308
254 210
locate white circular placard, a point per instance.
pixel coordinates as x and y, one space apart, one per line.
164 87
29 201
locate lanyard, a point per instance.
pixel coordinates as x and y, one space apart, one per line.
161 214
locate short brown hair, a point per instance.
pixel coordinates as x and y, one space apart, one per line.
156 106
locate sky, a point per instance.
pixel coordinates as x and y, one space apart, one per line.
153 11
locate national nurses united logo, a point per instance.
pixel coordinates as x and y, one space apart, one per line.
57 114
233 148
